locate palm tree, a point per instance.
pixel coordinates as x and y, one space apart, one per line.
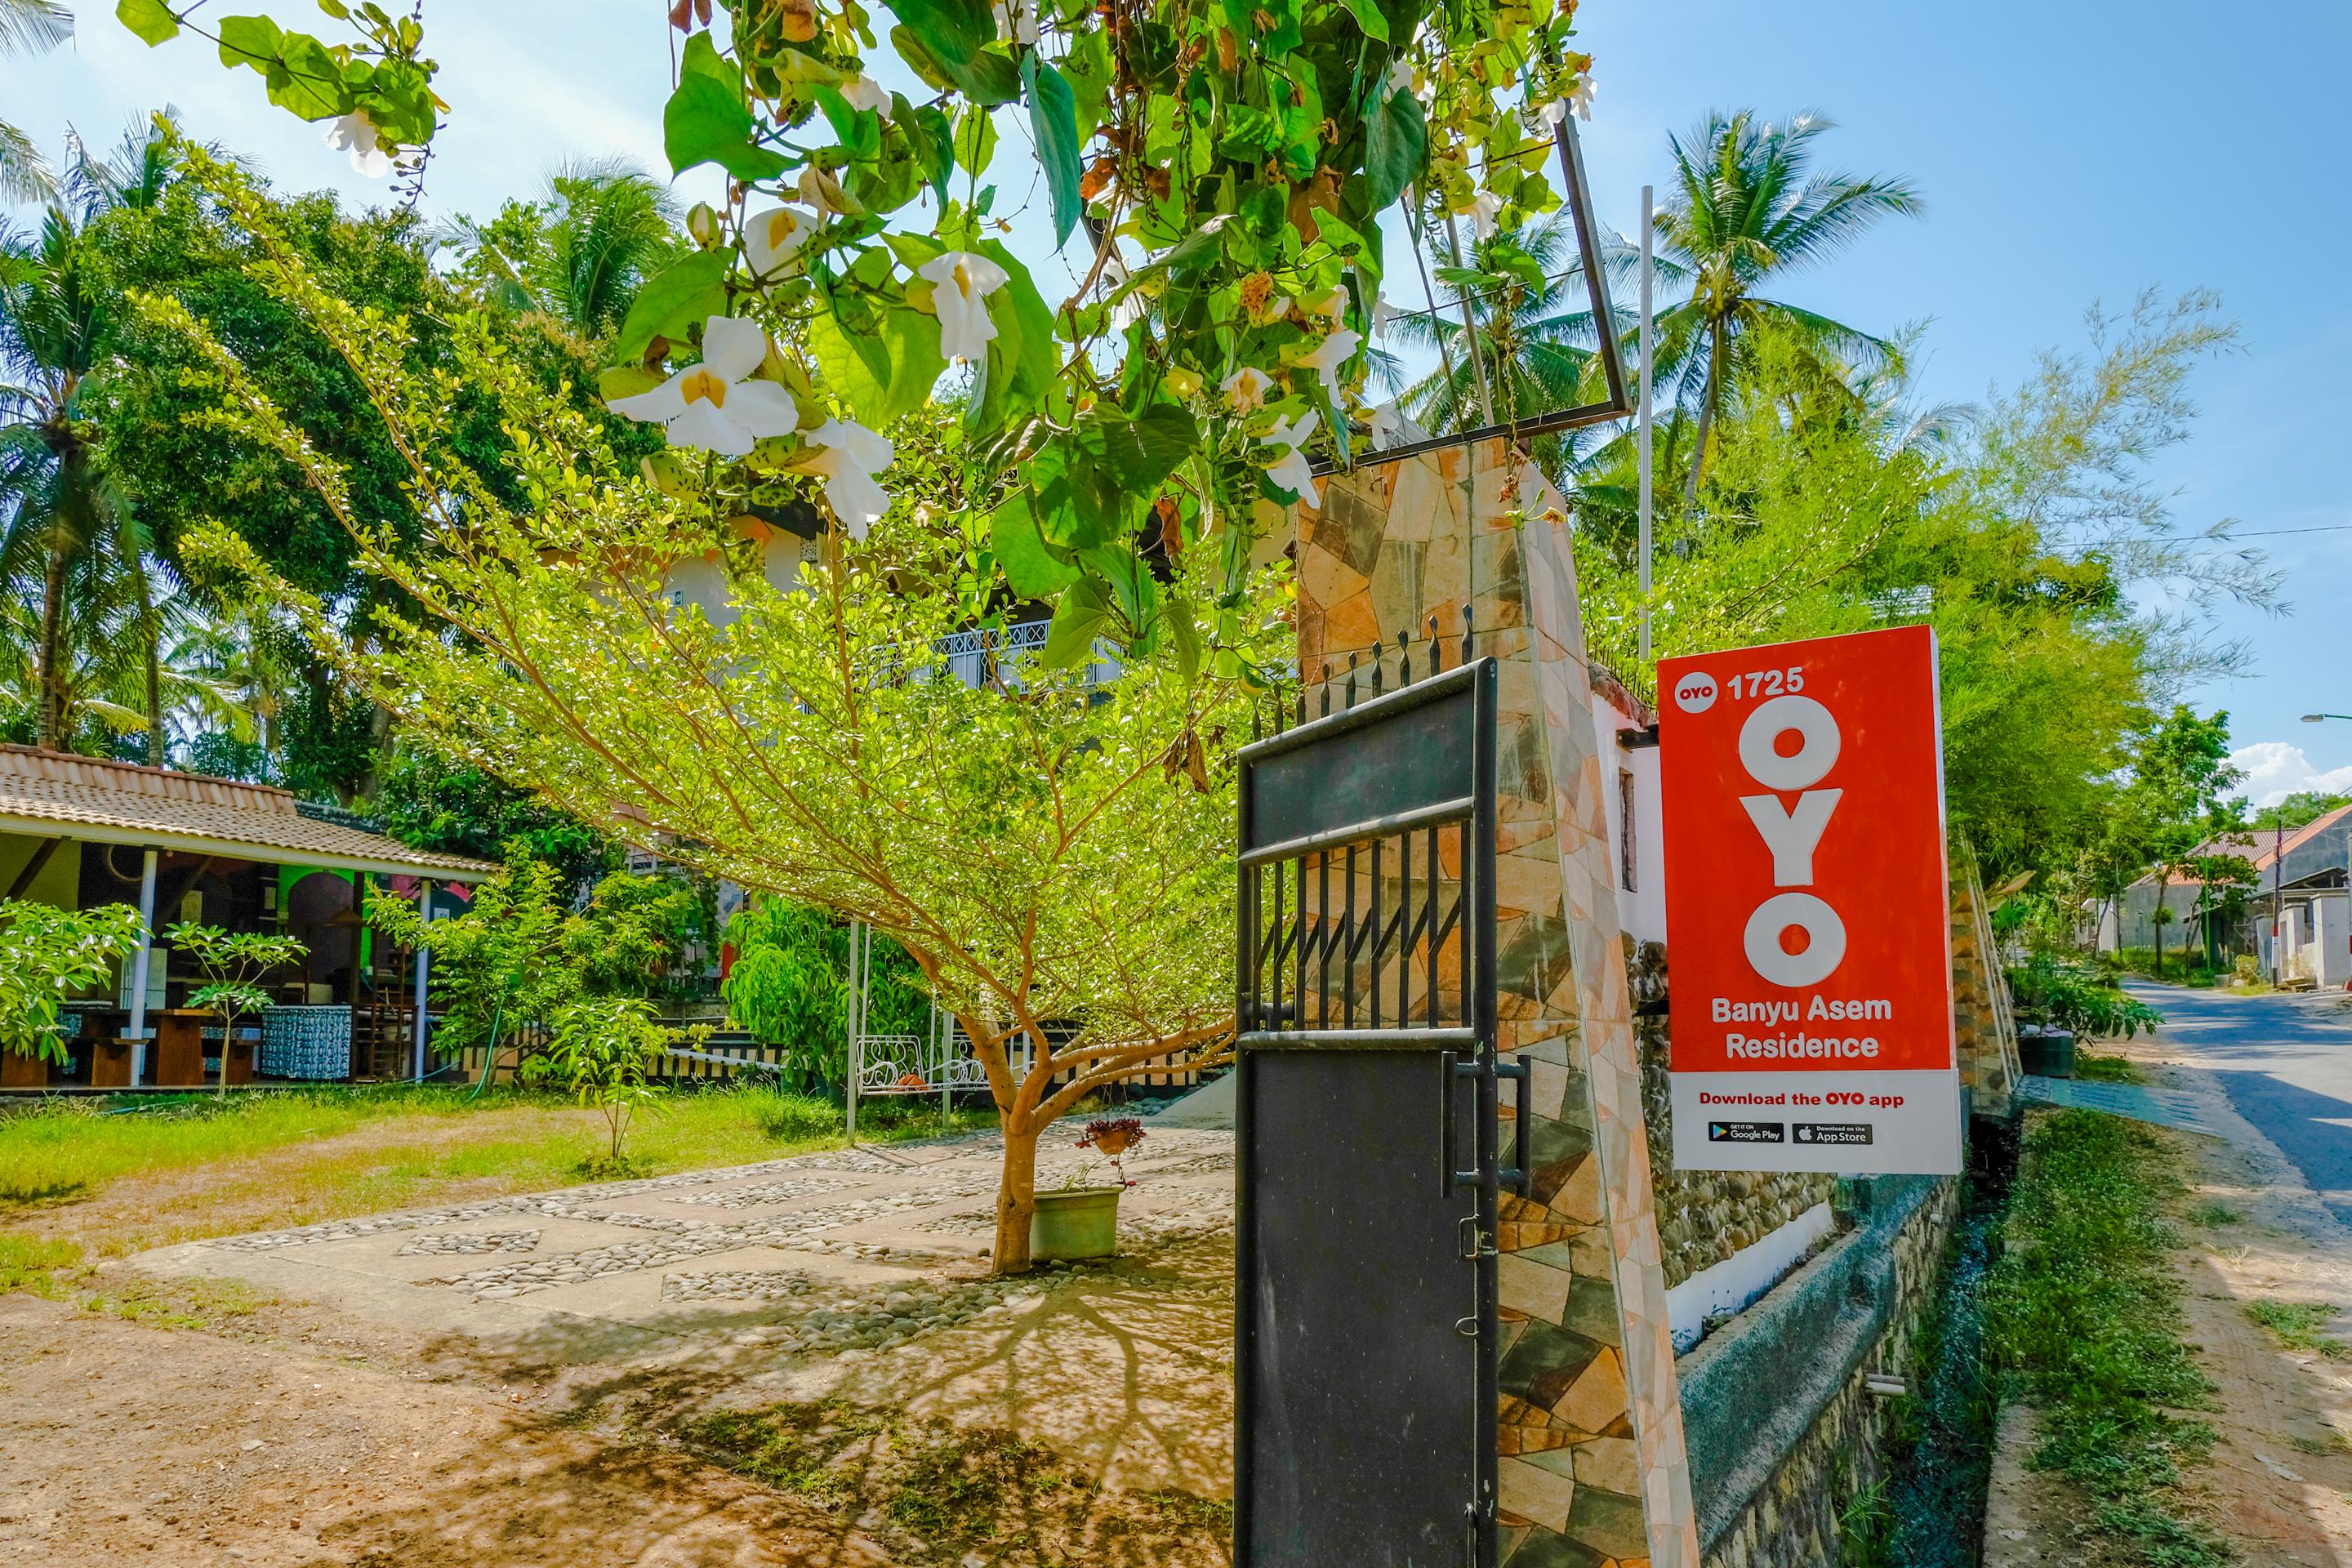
64 526
1532 335
582 251
1745 210
28 27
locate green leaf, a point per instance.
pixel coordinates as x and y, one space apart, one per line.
952 32
1032 569
933 138
152 20
680 296
305 80
1176 614
1368 17
706 122
975 140
1053 121
625 381
883 364
249 41
1077 620
1038 367
859 130
1396 144
702 59
920 60
950 41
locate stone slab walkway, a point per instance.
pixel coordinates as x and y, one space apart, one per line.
839 1253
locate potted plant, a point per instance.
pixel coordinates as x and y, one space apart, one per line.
2057 1003
1080 1220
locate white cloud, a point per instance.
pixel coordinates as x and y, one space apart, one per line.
2277 769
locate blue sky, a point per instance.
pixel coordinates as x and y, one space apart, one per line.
2069 153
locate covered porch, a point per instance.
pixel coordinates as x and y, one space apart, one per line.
81 832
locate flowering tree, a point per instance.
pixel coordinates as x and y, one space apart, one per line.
1228 164
1051 850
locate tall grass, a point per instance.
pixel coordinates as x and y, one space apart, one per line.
2083 1312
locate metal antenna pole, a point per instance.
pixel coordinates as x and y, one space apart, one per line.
1641 427
1470 326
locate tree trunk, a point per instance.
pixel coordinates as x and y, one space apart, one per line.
1016 1196
52 724
1706 401
229 1033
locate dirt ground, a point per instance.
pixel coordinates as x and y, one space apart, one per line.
2278 1486
1086 1427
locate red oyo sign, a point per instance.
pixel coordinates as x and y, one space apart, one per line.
1808 924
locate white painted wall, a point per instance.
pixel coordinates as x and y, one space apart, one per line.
1641 909
2331 940
1730 1285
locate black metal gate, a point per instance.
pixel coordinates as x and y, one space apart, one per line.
1369 1171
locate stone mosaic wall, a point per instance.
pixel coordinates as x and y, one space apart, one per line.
1590 1432
1985 1031
1791 1519
1704 1217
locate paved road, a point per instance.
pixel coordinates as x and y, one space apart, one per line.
2286 1065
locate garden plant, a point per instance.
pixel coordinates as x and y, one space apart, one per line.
47 955
233 963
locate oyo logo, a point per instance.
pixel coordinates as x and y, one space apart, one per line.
1695 692
1791 836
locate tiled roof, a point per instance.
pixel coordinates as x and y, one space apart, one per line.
2260 846
122 802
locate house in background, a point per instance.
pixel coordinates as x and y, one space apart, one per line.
80 832
2301 888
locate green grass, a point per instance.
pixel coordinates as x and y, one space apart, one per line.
2084 1313
123 1176
2213 1216
2105 1069
2297 1325
32 1263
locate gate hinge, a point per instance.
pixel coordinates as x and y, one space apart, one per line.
1466 1327
1474 1240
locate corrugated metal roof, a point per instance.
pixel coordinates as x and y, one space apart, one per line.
122 802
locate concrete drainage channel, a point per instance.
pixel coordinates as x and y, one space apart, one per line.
1846 1416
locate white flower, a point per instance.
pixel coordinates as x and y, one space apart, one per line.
1400 75
962 283
1332 352
1331 307
1124 313
867 94
1292 471
714 405
1388 427
1245 389
822 191
1016 22
355 133
849 455
1579 98
771 238
1546 115
1382 314
1481 214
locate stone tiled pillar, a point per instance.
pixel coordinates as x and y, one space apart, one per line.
1590 1431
